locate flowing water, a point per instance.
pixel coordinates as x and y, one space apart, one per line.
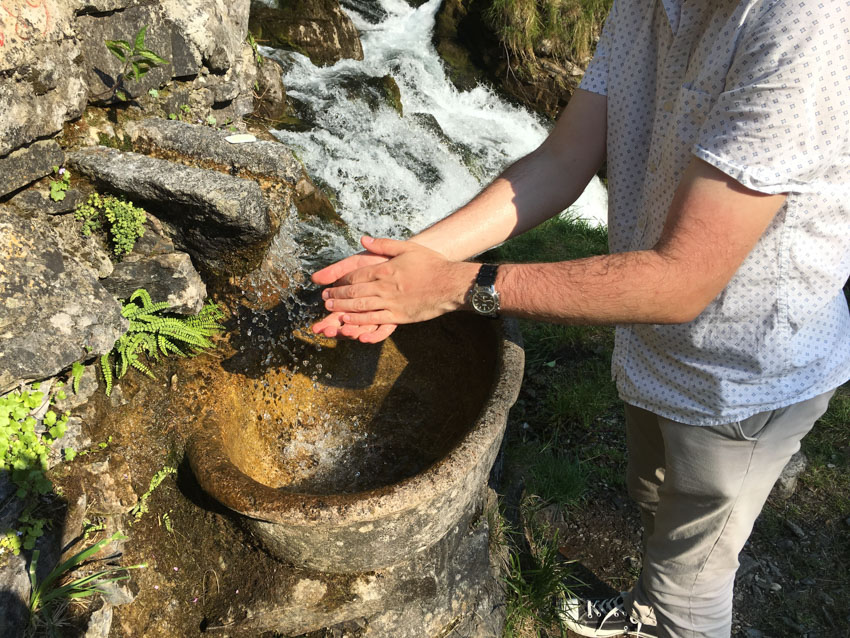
393 175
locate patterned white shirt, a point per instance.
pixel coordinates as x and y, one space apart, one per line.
760 89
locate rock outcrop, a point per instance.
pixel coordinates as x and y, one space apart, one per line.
472 53
55 310
220 219
317 28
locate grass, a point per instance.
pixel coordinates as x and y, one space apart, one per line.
563 29
536 574
567 391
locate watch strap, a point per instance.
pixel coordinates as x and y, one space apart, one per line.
486 275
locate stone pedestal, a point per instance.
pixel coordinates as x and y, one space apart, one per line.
453 586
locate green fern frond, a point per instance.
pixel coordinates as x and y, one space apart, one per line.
141 367
151 333
106 371
76 374
166 346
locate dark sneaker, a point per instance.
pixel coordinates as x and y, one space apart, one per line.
601 617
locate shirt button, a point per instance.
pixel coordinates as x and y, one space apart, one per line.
668 106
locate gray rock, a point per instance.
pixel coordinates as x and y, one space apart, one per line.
14 596
28 164
72 527
169 277
102 6
371 10
40 85
119 593
270 100
53 308
452 585
100 622
270 160
796 529
87 388
35 201
108 487
89 250
215 28
12 507
74 439
153 242
317 28
102 68
787 482
222 221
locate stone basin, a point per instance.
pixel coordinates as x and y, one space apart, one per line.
367 454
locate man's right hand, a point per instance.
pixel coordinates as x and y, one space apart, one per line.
332 326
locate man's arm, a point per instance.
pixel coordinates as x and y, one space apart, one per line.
712 225
536 187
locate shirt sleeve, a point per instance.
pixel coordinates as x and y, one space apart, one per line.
783 114
595 78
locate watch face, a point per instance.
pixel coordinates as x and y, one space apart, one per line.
484 302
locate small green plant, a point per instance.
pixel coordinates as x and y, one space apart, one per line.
51 596
253 44
154 93
77 370
23 453
153 333
126 221
59 186
136 58
141 508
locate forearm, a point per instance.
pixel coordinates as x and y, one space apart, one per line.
633 287
532 190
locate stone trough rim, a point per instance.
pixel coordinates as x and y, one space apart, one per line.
273 505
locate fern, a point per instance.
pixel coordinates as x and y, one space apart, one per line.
106 370
76 374
153 334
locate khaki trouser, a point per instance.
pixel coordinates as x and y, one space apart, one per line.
700 489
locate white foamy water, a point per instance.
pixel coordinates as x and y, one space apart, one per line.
395 175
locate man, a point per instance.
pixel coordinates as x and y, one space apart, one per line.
725 126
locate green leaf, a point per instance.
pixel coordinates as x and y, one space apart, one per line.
151 56
121 95
119 48
140 39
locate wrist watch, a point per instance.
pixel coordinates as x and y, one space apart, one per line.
483 296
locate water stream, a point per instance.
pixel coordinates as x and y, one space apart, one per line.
394 175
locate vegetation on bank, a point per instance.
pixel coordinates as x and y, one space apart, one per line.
566 448
561 29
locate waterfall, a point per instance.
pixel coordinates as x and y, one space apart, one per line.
394 175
